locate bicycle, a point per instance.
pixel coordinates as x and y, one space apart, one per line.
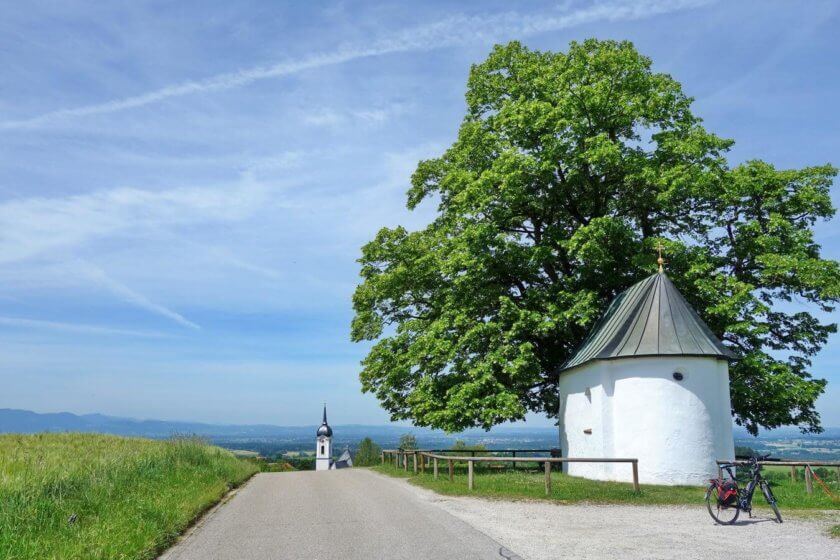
725 500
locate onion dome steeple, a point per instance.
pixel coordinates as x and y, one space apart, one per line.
325 429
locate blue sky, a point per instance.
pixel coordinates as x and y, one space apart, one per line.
184 187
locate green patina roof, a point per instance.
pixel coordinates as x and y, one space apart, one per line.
650 318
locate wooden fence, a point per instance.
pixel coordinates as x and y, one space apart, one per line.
422 458
809 472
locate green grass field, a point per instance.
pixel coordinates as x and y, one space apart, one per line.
530 484
128 498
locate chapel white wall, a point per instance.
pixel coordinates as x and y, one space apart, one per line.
636 409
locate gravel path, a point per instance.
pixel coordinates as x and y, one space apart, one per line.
547 531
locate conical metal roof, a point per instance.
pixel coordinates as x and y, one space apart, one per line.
651 318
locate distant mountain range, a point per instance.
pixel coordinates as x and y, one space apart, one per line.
27 422
266 438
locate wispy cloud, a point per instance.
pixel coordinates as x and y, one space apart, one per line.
19 322
448 32
133 297
36 225
794 37
375 115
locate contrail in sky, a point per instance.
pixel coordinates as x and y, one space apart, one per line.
445 33
133 297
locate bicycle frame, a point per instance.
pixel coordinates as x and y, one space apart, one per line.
737 499
745 495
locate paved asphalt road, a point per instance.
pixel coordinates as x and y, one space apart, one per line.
349 514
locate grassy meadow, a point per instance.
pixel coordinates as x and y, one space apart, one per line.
530 484
90 497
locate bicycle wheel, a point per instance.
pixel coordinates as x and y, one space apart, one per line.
768 495
725 515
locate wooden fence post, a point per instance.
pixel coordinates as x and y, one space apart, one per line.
414 459
636 475
513 463
435 461
793 473
423 464
809 484
470 474
405 461
451 471
547 478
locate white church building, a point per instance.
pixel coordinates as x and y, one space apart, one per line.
651 382
323 449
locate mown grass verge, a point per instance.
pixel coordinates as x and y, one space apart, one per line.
91 497
530 484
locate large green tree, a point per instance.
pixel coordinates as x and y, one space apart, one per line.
569 168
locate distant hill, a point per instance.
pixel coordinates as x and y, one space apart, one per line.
27 422
269 440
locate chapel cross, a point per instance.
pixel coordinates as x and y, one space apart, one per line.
660 261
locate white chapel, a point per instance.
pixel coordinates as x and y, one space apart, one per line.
651 382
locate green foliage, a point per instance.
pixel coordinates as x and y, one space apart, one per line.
367 454
461 445
741 451
302 462
88 497
408 441
266 466
569 168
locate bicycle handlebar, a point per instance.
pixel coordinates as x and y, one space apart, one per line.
752 461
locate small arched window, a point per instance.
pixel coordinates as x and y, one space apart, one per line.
322 450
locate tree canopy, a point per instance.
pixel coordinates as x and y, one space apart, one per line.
367 453
568 169
408 441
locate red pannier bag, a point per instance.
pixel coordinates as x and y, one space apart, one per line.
727 493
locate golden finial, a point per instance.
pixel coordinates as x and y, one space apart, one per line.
660 261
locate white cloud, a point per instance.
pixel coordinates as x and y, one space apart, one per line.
74 327
33 226
375 115
323 117
448 32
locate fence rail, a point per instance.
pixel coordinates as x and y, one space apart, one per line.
809 471
421 459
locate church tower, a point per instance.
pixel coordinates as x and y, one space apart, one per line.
323 446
